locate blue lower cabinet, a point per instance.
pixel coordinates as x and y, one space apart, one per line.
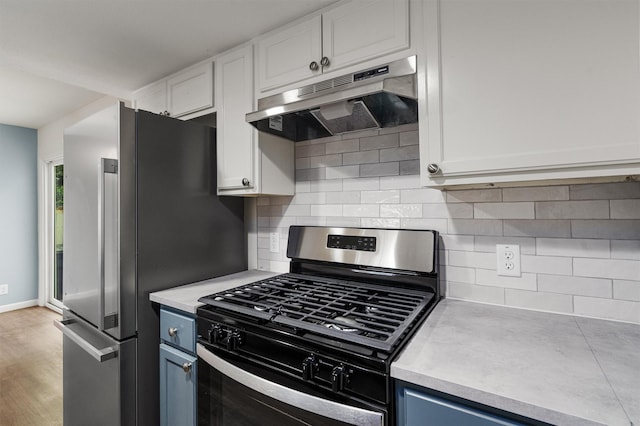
178 374
416 408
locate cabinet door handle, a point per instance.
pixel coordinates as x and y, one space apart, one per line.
186 367
325 61
173 332
433 168
245 182
313 66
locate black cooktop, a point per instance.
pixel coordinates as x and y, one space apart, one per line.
372 315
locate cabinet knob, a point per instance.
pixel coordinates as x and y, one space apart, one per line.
165 112
186 367
173 332
313 66
433 168
325 61
245 182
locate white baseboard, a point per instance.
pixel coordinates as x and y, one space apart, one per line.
19 305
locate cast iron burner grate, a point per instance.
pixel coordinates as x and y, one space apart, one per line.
372 315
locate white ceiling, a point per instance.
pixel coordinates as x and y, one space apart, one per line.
57 56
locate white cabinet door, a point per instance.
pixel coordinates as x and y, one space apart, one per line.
285 57
362 30
235 137
190 90
152 98
531 90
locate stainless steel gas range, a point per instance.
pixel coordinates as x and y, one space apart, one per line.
315 345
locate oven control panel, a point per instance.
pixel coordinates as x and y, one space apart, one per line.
351 242
226 337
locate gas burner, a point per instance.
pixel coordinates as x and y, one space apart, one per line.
260 308
349 325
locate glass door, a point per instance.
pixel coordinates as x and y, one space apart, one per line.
56 244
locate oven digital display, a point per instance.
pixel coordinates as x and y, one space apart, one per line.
351 242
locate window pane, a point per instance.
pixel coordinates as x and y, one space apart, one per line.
58 223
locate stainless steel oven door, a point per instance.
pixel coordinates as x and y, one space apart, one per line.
228 394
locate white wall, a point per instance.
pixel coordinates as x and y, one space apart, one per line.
580 244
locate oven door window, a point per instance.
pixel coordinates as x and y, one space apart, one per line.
224 401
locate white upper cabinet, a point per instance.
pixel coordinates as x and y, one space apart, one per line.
528 90
348 34
185 92
248 163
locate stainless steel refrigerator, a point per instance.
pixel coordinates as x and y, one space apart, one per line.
141 215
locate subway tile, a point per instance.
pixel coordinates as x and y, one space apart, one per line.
263 243
400 182
399 129
310 174
263 264
302 186
282 222
326 210
361 134
605 191
598 209
346 197
342 172
309 150
439 225
625 249
615 229
625 209
422 195
280 267
379 169
474 196
310 198
621 310
488 244
362 157
446 211
325 161
537 228
479 293
475 226
460 274
344 221
297 210
539 301
581 286
379 222
342 146
401 210
263 222
361 184
607 268
626 290
302 163
263 201
326 185
547 264
522 210
311 221
399 154
409 138
391 196
281 200
379 142
539 193
324 140
490 277
572 247
458 242
472 259
409 167
361 210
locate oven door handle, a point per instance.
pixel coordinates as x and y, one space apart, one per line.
313 404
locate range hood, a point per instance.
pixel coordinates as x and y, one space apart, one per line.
384 96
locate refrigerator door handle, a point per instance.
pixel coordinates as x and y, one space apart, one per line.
107 320
101 355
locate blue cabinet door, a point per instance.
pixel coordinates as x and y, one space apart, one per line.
419 409
178 374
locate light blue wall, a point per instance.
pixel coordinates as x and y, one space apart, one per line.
18 214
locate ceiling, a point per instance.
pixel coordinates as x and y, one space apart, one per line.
57 56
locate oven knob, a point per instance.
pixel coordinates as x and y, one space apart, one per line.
339 378
215 334
309 367
233 340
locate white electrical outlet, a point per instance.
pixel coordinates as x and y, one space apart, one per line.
274 242
508 259
4 289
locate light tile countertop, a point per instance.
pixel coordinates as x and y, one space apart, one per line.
555 368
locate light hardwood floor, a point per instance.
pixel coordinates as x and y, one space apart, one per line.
30 368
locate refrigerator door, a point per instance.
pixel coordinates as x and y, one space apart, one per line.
99 375
90 269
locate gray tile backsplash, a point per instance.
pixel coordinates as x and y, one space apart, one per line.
580 244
